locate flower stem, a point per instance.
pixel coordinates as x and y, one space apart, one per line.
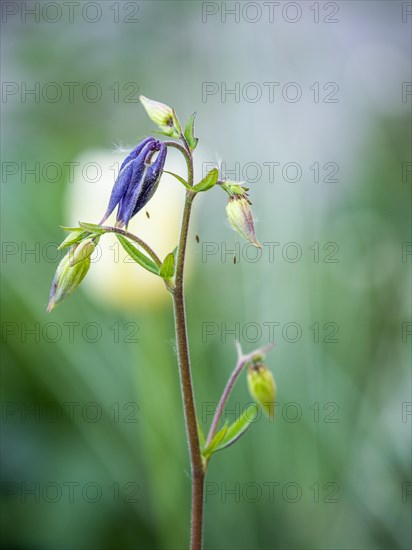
197 469
225 396
242 361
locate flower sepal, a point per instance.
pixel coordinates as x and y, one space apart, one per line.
82 250
262 386
66 279
240 217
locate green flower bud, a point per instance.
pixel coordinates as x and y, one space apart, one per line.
240 217
66 279
262 387
80 252
163 116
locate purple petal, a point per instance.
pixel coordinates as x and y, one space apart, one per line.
119 189
125 175
139 167
136 152
151 181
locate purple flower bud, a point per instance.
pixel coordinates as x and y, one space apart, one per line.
135 152
151 180
137 181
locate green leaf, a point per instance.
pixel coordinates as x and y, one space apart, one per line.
201 435
168 267
216 441
239 427
70 228
178 178
73 237
189 132
138 256
208 181
93 228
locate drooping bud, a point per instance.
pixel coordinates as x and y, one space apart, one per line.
262 387
163 116
80 252
131 170
66 279
142 186
151 180
135 152
240 217
137 181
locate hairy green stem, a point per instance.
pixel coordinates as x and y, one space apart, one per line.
185 150
197 469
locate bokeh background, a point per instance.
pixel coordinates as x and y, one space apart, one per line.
93 448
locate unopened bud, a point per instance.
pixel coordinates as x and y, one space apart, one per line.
262 387
163 116
66 279
240 217
137 181
82 251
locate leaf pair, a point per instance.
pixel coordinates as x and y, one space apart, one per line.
228 435
77 234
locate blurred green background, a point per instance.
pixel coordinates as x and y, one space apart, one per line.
93 448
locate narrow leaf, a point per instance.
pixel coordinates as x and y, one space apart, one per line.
93 228
72 238
70 228
138 256
178 178
168 267
208 181
201 435
216 441
239 427
189 132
